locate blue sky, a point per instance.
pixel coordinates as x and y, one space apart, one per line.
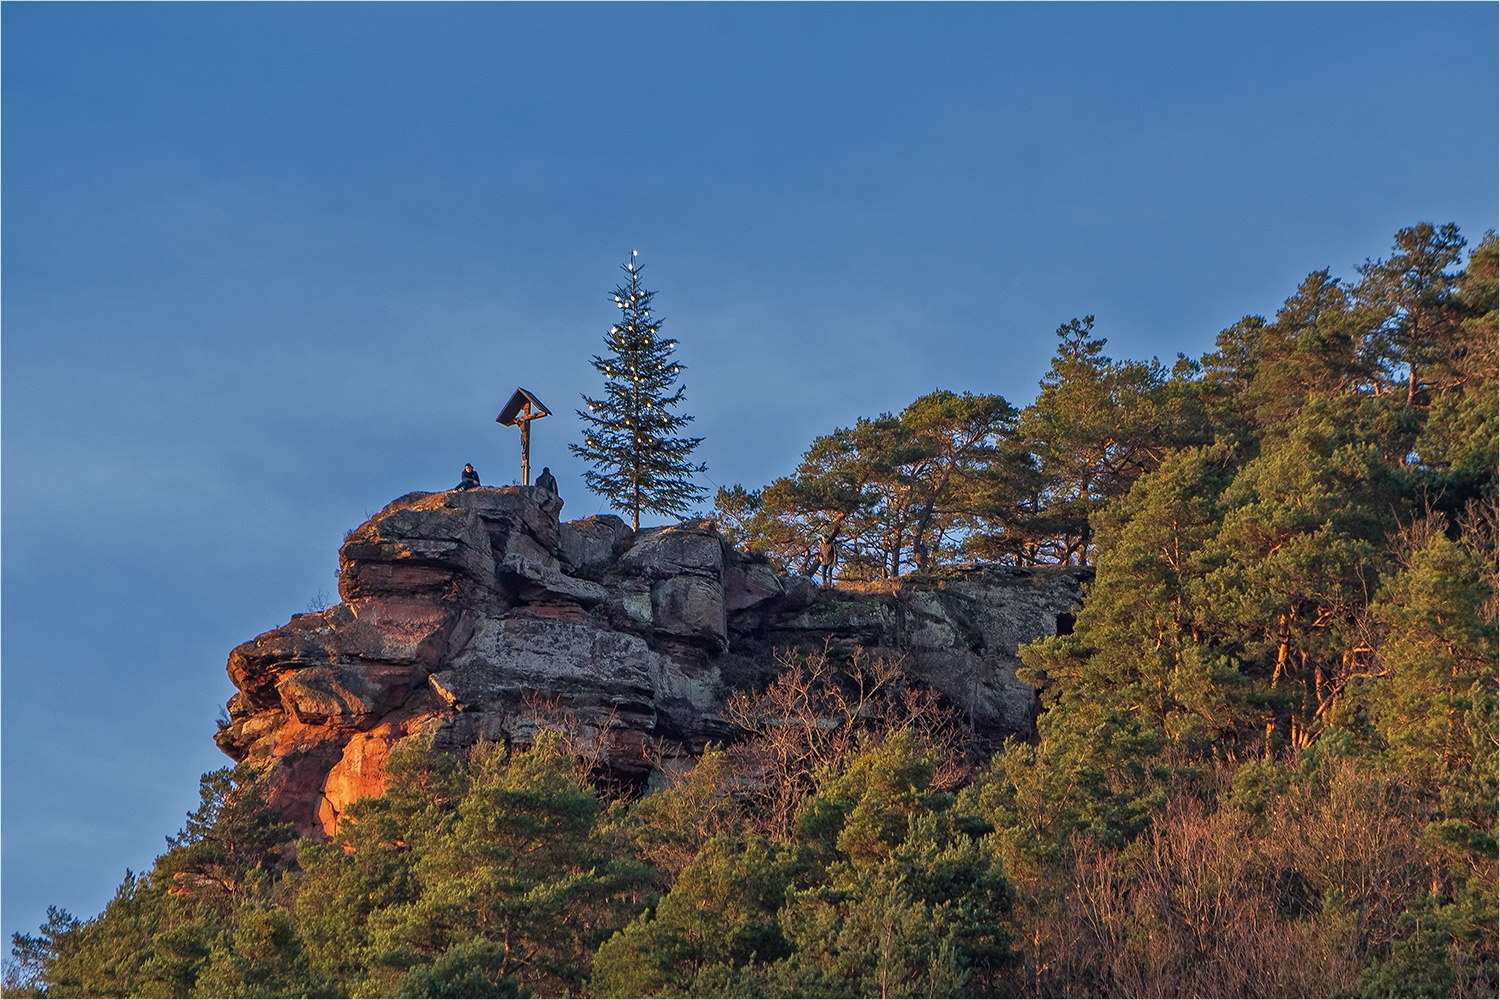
267 267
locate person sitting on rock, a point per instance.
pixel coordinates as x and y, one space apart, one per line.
547 481
470 479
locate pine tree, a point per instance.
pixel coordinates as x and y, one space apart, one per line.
638 464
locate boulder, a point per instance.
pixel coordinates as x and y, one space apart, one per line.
326 693
589 546
692 547
690 607
595 671
442 545
749 584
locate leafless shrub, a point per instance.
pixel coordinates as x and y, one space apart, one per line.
1353 833
1213 901
588 741
671 825
809 720
1413 537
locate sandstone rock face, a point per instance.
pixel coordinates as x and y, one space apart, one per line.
745 586
590 546
468 615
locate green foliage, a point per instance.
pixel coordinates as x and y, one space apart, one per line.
1440 642
1412 291
887 889
891 491
638 465
1418 964
721 914
670 827
861 814
473 969
1092 771
261 957
834 493
1320 344
521 859
952 448
231 834
1140 642
169 933
914 898
1096 426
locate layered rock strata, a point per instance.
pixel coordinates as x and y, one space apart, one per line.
469 615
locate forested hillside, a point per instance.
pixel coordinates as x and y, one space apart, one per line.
1266 762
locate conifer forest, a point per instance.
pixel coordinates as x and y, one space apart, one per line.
1264 765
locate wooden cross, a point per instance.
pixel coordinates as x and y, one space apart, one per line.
522 409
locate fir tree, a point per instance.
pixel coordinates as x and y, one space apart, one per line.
638 464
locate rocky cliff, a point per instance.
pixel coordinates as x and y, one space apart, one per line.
463 612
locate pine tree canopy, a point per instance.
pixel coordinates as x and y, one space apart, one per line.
638 463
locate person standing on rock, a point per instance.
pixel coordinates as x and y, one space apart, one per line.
547 481
470 478
827 555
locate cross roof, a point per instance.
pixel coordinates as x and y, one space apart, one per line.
517 403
